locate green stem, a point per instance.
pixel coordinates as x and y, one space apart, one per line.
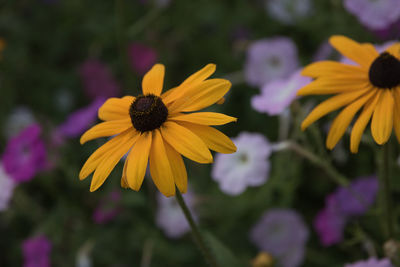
316 160
385 192
195 231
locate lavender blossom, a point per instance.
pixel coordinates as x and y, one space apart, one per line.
277 95
170 217
25 154
283 234
375 15
97 80
269 59
249 166
288 11
7 186
36 252
372 262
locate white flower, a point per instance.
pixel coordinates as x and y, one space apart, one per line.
249 166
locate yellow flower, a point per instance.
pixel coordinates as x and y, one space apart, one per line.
263 259
371 87
158 129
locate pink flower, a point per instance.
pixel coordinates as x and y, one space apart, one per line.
108 208
277 95
36 252
97 80
25 154
141 57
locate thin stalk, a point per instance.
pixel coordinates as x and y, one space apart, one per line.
385 192
195 231
316 160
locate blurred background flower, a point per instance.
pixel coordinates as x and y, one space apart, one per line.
283 234
25 154
277 95
169 216
269 59
372 262
36 252
249 166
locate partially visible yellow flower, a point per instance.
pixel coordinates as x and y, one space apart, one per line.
263 259
372 88
157 129
2 46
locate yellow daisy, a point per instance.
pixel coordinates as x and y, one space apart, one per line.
371 87
158 129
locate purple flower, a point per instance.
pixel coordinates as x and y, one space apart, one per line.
7 186
356 199
375 15
97 80
329 223
277 95
36 252
249 166
342 205
142 57
170 217
25 154
288 11
372 262
283 234
79 121
108 208
270 59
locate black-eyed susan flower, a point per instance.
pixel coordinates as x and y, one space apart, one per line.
371 87
158 128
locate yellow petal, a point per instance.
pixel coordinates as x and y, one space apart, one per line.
106 129
94 160
382 119
325 86
153 80
192 81
360 54
186 142
137 161
115 108
204 95
330 105
362 121
394 50
178 168
160 168
343 120
396 116
331 68
108 164
124 181
214 139
204 118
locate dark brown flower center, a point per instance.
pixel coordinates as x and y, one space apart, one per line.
384 72
148 113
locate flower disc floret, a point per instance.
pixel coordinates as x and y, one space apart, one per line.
148 113
385 71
